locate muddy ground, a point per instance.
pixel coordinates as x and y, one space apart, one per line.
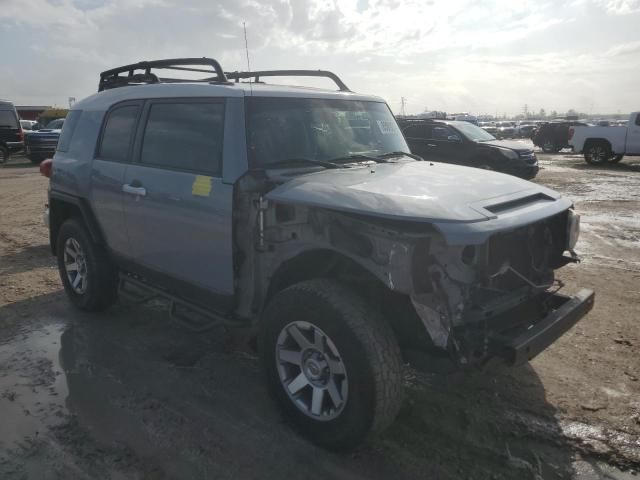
128 395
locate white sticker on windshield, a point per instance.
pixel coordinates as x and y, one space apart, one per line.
386 127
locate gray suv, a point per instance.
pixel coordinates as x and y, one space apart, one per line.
300 214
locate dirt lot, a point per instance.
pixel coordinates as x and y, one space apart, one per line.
129 395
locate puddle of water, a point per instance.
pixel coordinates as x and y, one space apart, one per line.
33 386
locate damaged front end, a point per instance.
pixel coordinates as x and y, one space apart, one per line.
499 299
475 291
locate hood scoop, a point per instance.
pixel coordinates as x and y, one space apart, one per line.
502 207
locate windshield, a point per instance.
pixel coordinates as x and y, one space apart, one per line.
8 119
473 133
56 124
281 129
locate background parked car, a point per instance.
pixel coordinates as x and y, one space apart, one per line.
41 144
552 137
505 129
465 144
29 125
524 130
11 135
489 127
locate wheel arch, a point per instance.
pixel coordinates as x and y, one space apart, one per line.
63 206
596 140
397 309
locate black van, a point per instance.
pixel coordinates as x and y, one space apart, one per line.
11 135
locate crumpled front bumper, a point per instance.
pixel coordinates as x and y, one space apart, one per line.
521 347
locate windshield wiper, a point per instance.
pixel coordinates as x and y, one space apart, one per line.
311 161
356 157
399 154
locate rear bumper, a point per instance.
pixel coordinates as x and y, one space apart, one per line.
14 146
48 150
524 346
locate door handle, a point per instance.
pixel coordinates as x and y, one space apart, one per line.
431 145
139 191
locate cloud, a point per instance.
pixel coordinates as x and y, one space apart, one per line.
458 54
620 7
624 49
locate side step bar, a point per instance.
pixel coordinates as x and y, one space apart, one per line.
186 314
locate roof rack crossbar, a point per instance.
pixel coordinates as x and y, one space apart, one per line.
112 78
288 73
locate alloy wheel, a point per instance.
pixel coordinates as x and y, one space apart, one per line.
311 371
75 266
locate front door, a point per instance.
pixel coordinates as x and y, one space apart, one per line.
633 136
178 210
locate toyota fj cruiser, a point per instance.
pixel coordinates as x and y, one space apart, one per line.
301 214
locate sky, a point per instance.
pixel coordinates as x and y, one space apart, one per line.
491 56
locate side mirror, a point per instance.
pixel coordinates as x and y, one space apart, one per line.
454 138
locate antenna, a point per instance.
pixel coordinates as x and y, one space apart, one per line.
246 46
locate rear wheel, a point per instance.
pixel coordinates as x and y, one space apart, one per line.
36 159
332 364
549 146
4 155
88 275
597 153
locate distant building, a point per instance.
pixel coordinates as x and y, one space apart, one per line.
27 112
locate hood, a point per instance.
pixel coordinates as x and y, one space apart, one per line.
415 191
47 130
510 144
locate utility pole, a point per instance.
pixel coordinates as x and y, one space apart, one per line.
403 103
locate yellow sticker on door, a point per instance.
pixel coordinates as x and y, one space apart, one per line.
201 186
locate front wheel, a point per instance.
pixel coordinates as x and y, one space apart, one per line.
332 364
87 273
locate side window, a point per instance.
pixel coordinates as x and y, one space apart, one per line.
118 133
440 133
418 131
638 119
67 130
184 136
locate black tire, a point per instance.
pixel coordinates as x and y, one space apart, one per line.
101 288
4 155
616 158
549 146
597 153
367 349
35 159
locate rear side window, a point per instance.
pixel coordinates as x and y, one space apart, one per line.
418 131
118 133
184 136
67 130
8 118
638 119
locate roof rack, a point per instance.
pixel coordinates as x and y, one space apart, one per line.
113 79
288 73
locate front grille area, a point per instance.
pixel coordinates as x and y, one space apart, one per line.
533 251
529 157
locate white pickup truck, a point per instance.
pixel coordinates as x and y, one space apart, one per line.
607 144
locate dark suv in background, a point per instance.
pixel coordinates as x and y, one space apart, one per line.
552 137
11 135
465 144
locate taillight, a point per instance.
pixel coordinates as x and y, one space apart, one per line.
21 135
46 166
571 130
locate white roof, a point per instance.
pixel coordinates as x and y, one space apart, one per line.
103 100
